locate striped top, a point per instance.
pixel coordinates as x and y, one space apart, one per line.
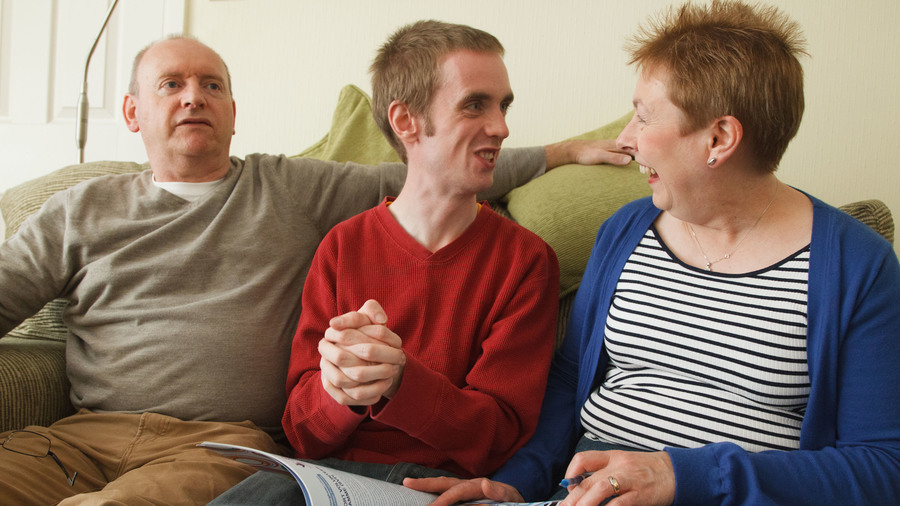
698 357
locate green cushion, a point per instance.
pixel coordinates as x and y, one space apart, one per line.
566 206
354 136
34 389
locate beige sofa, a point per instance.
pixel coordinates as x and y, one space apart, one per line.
565 207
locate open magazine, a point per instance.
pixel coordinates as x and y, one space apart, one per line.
330 487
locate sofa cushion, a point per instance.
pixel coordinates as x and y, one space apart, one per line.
873 213
567 205
353 136
34 388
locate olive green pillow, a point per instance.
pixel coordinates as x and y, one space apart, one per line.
353 136
566 206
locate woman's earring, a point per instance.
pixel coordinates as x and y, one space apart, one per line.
711 161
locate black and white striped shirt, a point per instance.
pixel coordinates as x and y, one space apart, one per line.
699 357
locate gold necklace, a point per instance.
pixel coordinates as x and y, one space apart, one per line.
710 263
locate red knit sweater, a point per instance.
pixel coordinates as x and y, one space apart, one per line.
477 319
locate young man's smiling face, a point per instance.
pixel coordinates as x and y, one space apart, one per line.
183 105
467 121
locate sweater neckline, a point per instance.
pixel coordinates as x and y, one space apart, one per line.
408 243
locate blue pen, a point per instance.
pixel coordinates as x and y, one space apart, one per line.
575 480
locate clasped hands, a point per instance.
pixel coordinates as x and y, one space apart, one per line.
362 360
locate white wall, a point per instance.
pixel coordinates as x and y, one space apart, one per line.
567 67
289 59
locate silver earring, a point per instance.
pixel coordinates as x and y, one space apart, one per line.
711 161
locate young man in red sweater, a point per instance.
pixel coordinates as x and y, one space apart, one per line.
428 322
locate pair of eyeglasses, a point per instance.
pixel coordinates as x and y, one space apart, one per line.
26 442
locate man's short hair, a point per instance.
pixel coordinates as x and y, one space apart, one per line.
406 68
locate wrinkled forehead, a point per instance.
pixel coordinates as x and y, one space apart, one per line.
182 57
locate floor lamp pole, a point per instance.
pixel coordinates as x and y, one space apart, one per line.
82 120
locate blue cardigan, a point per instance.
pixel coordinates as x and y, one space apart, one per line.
850 438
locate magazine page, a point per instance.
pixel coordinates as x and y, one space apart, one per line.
323 485
326 486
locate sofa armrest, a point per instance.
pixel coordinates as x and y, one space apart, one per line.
34 389
875 214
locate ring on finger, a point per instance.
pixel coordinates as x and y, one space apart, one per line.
614 483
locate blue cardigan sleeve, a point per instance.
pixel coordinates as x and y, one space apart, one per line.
536 469
850 438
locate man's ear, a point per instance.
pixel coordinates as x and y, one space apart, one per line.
725 136
403 122
129 112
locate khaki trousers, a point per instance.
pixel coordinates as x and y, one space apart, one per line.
129 459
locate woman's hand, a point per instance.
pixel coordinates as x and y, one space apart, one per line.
635 477
454 490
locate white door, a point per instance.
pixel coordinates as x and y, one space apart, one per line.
44 45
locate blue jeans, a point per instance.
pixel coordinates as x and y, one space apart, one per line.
587 444
276 488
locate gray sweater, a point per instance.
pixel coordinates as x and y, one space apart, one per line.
188 308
